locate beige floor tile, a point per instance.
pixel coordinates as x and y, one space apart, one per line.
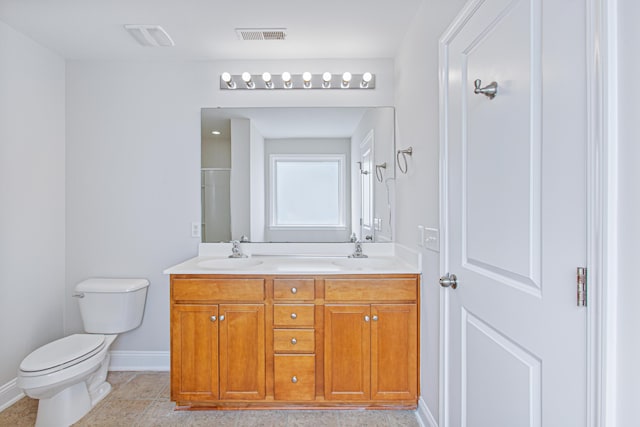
162 414
364 418
313 418
261 418
143 386
116 413
20 414
403 419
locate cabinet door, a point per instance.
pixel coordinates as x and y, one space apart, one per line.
242 351
347 361
394 352
194 352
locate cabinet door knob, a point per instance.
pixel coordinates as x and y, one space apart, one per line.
222 317
375 318
213 318
366 318
294 290
294 379
294 341
294 316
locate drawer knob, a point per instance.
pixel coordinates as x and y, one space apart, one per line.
366 318
222 318
375 318
294 341
294 316
213 318
294 379
294 290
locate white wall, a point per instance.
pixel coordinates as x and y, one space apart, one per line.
416 101
629 215
133 160
32 195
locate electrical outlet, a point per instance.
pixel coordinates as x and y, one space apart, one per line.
196 229
421 236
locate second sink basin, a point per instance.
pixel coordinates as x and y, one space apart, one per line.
365 263
229 263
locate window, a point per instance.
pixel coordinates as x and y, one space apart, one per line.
307 191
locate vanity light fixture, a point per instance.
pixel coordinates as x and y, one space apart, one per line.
215 132
306 80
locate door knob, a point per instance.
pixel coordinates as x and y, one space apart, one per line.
449 280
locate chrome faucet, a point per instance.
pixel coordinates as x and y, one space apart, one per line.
357 253
236 252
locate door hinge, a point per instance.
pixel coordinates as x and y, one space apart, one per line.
581 279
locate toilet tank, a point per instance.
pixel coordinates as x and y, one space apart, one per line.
111 306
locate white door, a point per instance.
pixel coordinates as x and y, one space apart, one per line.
366 180
513 214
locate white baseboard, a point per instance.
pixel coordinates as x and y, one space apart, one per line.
140 361
424 415
9 394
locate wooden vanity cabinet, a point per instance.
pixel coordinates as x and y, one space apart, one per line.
284 342
217 350
371 339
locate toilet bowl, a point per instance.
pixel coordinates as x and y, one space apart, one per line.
68 375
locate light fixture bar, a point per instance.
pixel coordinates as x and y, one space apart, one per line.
306 81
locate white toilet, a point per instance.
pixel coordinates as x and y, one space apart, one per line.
69 375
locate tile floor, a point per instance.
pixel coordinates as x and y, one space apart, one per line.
142 399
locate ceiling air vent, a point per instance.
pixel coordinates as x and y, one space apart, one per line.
261 33
150 35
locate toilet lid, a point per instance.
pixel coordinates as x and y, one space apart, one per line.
65 351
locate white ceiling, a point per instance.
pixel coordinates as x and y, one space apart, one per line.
205 29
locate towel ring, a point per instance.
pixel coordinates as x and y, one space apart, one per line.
380 172
404 153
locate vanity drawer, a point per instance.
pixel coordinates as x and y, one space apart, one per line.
392 289
294 377
294 340
293 314
217 289
293 289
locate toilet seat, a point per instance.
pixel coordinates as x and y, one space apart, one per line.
61 354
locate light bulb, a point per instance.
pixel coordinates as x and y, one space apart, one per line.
366 78
346 78
226 78
306 79
246 77
286 78
266 77
326 79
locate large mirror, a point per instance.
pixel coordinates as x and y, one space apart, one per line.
297 174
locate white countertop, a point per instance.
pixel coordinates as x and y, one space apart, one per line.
296 259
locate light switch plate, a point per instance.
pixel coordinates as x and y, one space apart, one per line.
196 229
432 239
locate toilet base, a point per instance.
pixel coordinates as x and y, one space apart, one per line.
65 408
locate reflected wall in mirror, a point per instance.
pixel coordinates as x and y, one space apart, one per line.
297 174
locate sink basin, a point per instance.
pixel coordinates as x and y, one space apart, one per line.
365 263
229 263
